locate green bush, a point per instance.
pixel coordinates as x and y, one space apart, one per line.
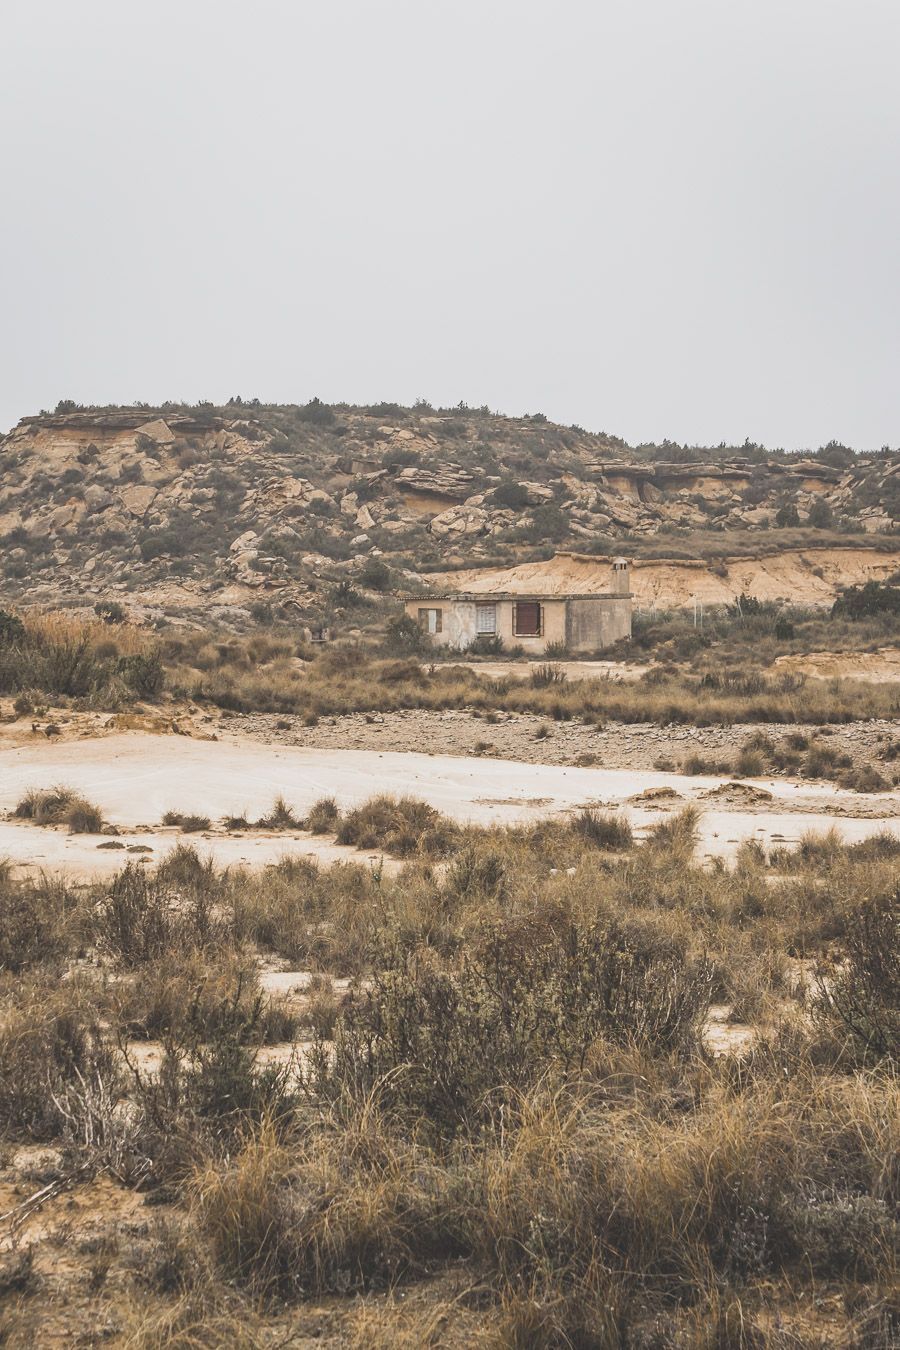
376 575
404 637
862 602
11 627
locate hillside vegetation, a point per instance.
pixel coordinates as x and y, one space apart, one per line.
212 508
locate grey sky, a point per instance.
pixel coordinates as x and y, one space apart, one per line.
655 217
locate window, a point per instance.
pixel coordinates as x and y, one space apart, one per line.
430 620
485 619
528 618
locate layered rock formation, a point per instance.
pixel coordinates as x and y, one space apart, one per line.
206 506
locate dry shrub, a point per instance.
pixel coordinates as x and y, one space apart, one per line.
745 1186
546 675
452 1041
861 993
188 824
184 867
677 835
865 778
56 1071
195 993
479 874
603 831
41 921
347 1210
322 816
320 919
399 825
697 764
142 918
281 817
60 806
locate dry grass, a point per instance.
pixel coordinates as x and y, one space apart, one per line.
326 686
509 1131
82 659
60 806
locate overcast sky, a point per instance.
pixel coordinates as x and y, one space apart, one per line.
652 217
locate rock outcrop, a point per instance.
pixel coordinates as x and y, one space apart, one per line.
183 504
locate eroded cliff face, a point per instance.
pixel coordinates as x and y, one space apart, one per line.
808 576
205 507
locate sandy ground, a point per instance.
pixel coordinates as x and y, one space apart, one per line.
880 667
135 779
809 576
620 672
538 740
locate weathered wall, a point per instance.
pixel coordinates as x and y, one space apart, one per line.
554 626
594 624
458 623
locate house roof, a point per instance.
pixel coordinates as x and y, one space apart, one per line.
489 597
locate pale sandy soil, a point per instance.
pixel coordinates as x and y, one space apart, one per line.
521 736
620 672
881 667
809 576
135 778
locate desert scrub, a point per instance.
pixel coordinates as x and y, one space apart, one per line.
859 994
399 825
322 817
42 922
56 1068
140 919
187 823
524 998
60 806
197 994
740 1183
316 918
225 674
84 659
341 1212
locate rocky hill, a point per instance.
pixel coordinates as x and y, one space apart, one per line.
223 508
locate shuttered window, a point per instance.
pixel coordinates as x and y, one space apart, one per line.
528 618
485 619
430 620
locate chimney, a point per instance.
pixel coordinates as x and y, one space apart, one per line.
621 576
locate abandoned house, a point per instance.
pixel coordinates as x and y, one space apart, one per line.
581 623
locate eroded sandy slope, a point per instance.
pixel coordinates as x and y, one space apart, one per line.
799 576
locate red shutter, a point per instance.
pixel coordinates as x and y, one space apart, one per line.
527 618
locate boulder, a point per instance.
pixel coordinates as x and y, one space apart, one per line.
96 498
158 431
137 498
243 541
538 493
468 520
